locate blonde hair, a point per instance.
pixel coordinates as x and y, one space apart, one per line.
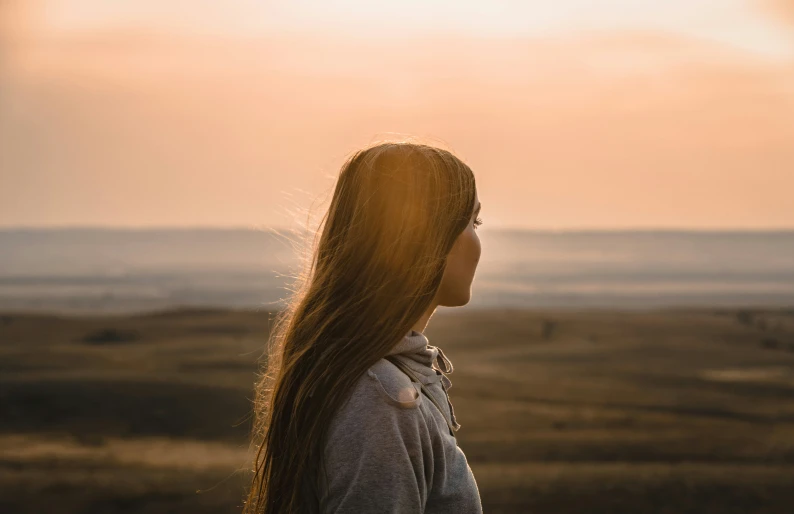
396 211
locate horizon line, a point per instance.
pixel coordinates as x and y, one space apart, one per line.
276 228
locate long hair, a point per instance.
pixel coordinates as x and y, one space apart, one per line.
397 209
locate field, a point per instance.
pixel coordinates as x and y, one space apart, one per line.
667 411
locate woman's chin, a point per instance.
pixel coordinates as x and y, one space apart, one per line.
458 301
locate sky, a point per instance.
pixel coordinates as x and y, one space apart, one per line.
573 114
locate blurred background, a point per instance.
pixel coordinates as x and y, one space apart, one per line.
629 346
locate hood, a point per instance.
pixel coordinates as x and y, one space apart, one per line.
415 350
429 363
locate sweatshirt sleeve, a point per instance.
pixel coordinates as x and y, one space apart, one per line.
378 458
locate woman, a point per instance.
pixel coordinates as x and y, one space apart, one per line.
351 415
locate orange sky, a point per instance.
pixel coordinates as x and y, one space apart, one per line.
637 115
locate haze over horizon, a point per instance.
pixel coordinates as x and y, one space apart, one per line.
634 115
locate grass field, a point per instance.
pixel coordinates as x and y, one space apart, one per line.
672 411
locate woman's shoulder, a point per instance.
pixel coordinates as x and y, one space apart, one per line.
382 397
382 392
392 384
382 387
379 446
383 405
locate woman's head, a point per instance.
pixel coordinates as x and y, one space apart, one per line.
397 240
399 212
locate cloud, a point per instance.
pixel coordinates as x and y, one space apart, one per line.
648 127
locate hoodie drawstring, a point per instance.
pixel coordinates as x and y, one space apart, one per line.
443 363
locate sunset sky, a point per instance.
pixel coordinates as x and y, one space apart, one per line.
573 114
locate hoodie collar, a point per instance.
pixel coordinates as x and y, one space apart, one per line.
428 360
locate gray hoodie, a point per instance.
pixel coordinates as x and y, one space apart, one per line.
390 449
